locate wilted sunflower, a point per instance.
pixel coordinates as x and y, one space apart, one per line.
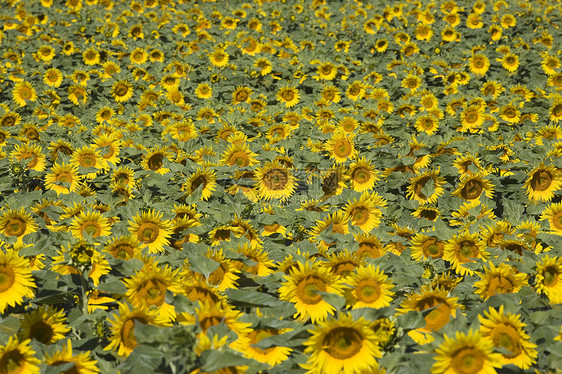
302 288
150 230
543 181
16 282
426 187
274 181
18 357
498 280
548 279
342 345
341 147
45 324
506 331
464 248
147 288
467 353
553 213
17 223
91 224
424 247
23 92
426 298
205 178
365 213
473 185
362 175
123 339
121 91
369 288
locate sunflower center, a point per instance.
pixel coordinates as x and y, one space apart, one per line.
471 117
498 285
148 232
91 228
239 158
428 214
343 343
541 180
467 360
7 278
155 161
478 63
467 249
369 249
550 275
155 292
242 96
15 227
433 248
42 332
123 251
121 90
326 69
12 361
276 179
361 175
472 189
343 269
307 290
506 336
128 332
88 161
288 95
343 148
360 215
419 185
217 276
368 291
200 180
438 317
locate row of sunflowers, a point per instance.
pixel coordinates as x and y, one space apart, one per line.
280 186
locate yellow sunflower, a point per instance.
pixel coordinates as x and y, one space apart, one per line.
123 247
264 65
204 178
426 187
256 254
147 288
365 213
154 160
150 230
424 247
302 288
16 282
204 91
91 224
121 91
498 280
426 123
506 331
89 157
81 256
341 147
219 58
472 118
53 77
466 353
18 357
338 221
274 181
553 213
288 95
355 91
123 339
23 92
17 223
543 181
464 248
240 155
273 355
478 64
327 71
427 298
548 279
226 275
81 362
45 324
369 288
342 345
509 61
362 175
473 185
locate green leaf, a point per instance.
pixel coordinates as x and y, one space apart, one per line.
216 360
247 299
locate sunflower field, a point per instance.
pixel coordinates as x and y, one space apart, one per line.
287 186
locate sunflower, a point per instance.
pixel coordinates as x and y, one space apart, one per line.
23 92
204 91
205 179
147 288
123 175
555 111
123 247
327 71
464 248
53 77
121 91
444 306
92 224
369 288
264 65
424 247
123 339
225 275
274 181
355 91
478 64
498 280
510 62
338 221
342 345
241 95
413 82
427 124
154 160
426 187
472 118
150 230
330 93
255 254
288 95
473 185
548 279
45 324
78 257
17 223
302 288
89 157
365 213
240 155
219 58
467 353
18 357
109 147
553 213
16 282
341 147
341 263
506 331
427 212
543 181
272 355
362 175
